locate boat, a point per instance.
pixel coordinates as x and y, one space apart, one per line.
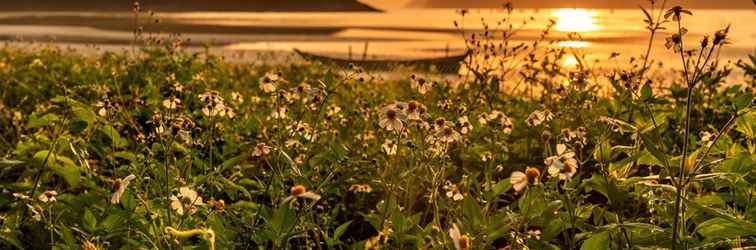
448 65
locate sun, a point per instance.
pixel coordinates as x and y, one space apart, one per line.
575 20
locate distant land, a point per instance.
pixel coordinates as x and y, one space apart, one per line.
185 5
597 4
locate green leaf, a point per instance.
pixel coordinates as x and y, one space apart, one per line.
532 203
61 166
67 236
36 121
231 186
502 186
11 239
646 158
651 147
646 92
603 152
85 114
128 201
720 228
741 163
597 241
553 228
245 206
125 155
724 225
402 223
746 124
743 101
114 136
341 230
89 221
283 220
472 211
114 220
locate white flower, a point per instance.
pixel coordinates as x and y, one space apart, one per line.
279 113
36 211
706 136
390 147
21 196
464 122
447 134
392 117
563 165
496 118
103 108
420 84
452 191
534 233
261 150
299 191
171 102
269 81
458 197
237 98
186 199
48 196
520 180
361 188
415 111
210 97
538 117
178 87
461 242
120 187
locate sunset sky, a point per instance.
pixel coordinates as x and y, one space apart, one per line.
393 4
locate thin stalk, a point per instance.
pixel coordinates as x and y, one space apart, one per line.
38 176
680 179
722 131
571 213
681 175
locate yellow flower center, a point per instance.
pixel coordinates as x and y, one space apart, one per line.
567 168
464 242
298 190
391 114
532 174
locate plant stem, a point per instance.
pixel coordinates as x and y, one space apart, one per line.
680 179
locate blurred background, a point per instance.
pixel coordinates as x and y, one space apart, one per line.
240 29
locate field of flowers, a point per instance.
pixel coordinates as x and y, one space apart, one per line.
174 150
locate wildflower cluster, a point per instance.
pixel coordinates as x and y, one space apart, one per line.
164 150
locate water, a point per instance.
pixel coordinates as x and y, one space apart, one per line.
409 33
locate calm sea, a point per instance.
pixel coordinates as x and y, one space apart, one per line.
409 33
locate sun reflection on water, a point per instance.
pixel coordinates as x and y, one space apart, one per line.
574 44
570 61
575 20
